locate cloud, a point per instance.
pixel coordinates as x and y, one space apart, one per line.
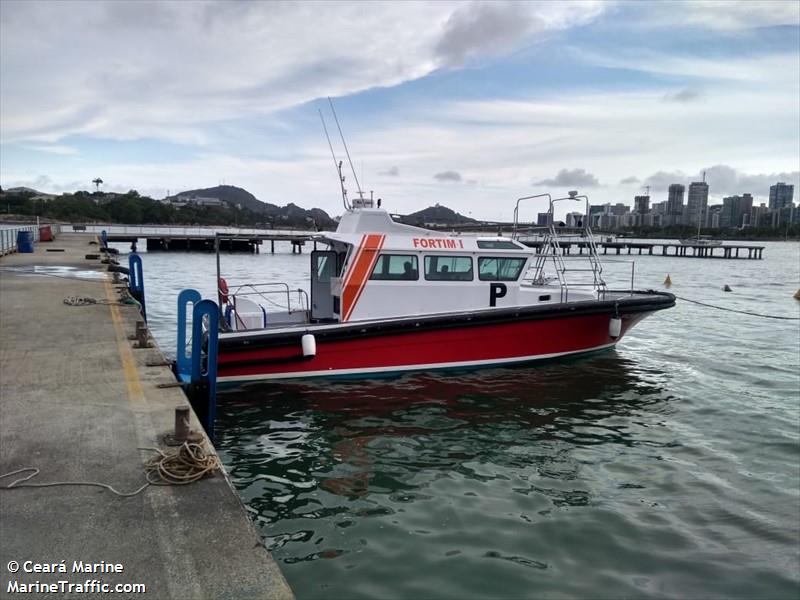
571 178
727 16
61 149
629 180
164 70
43 183
392 171
448 176
686 95
724 180
479 28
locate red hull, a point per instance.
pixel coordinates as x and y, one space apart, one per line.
466 346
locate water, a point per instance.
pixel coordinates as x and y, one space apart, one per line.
669 467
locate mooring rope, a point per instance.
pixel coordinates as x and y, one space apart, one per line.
741 312
190 463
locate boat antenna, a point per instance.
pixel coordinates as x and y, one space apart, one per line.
336 164
344 143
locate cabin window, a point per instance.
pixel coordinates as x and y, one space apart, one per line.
448 268
497 245
396 267
492 268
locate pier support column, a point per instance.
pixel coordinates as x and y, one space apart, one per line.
272 246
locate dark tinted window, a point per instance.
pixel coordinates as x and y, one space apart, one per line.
396 267
498 245
500 268
448 268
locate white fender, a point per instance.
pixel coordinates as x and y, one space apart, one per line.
309 343
615 327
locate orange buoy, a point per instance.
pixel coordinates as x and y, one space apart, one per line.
667 281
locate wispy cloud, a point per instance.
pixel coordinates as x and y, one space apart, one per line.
60 149
96 69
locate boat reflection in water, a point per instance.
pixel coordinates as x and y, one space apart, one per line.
312 459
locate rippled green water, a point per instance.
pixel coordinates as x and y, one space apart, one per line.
669 467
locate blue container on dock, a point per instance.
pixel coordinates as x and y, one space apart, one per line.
24 241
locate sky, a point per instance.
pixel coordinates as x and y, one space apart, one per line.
467 104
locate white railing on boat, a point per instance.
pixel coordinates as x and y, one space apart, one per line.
277 295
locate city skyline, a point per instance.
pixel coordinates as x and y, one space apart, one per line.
468 104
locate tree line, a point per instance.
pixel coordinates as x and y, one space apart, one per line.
134 209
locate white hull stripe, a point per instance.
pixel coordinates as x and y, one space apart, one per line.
403 368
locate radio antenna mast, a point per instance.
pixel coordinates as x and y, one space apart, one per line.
344 143
336 164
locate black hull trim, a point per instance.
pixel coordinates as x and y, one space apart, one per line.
639 302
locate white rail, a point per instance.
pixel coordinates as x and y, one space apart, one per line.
145 230
8 235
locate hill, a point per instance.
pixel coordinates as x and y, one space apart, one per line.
233 196
438 215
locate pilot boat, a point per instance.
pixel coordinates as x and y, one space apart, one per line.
386 298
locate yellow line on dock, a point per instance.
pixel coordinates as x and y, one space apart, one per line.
130 372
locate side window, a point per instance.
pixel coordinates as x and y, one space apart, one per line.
499 268
396 267
448 268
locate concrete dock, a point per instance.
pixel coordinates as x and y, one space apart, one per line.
77 400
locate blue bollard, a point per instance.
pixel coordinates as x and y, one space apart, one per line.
183 362
136 281
204 365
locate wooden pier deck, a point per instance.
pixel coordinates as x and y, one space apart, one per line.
725 251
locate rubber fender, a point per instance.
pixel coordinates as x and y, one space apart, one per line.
118 269
223 290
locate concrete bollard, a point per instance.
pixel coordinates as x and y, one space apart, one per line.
181 424
142 335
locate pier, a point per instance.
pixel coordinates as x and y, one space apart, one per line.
200 239
725 251
78 401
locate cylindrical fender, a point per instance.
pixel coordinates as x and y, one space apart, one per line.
223 290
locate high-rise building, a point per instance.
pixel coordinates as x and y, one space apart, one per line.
733 210
675 205
714 214
697 202
760 216
780 195
675 199
620 209
659 208
641 204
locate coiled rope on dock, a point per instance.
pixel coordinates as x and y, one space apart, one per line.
741 312
125 298
190 463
